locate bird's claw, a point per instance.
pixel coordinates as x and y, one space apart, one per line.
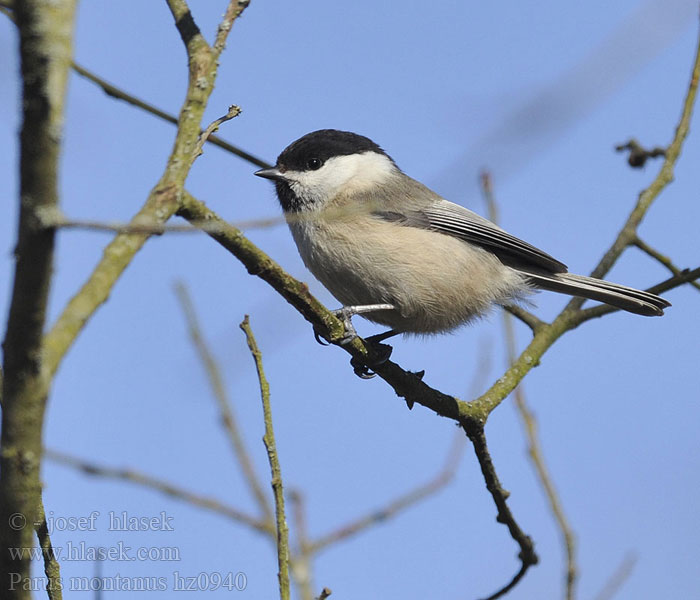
378 355
320 339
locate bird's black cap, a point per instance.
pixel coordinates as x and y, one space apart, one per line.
322 145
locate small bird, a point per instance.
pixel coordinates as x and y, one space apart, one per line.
392 250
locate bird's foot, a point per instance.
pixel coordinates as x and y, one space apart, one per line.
378 355
345 314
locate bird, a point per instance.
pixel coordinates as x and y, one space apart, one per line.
393 251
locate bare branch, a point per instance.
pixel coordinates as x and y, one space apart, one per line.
530 424
664 260
325 592
58 221
233 112
492 210
628 233
300 562
233 11
52 570
527 554
277 487
618 578
399 504
537 457
162 202
228 417
164 487
120 94
534 323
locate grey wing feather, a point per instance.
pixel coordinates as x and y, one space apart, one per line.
460 222
463 223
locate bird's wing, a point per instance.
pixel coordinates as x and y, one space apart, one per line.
457 221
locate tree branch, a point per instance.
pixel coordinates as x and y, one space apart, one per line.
46 37
628 233
618 578
233 112
161 204
664 260
277 488
165 487
300 562
537 457
120 94
419 493
52 570
219 390
530 424
233 11
527 554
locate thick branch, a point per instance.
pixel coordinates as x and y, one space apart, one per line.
45 33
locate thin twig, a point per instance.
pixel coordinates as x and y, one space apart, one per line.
233 112
628 233
664 260
419 493
52 570
534 323
218 388
618 578
301 565
277 486
57 221
325 592
530 424
527 554
233 11
537 457
119 94
165 487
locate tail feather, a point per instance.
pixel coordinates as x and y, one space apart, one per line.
619 296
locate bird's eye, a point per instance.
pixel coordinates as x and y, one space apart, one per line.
313 164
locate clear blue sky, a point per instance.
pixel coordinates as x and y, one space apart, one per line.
538 93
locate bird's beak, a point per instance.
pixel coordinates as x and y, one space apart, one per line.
273 173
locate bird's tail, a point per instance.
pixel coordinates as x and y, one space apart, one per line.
619 296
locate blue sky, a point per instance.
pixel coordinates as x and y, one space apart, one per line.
539 93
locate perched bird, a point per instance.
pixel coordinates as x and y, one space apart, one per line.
389 248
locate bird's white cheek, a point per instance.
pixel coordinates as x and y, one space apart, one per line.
352 173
